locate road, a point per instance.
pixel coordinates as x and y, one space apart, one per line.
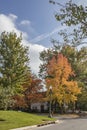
66 124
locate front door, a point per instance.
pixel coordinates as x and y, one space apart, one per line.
42 108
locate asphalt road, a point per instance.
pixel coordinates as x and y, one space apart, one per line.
66 124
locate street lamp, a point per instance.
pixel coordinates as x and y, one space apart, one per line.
50 96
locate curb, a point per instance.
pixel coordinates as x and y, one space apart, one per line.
24 128
52 122
28 127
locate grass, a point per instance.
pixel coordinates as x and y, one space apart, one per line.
14 119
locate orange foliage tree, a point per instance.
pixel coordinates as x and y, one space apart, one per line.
31 93
60 73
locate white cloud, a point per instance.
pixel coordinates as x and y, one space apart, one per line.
13 17
34 56
8 23
34 51
25 22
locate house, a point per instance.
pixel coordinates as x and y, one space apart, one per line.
39 107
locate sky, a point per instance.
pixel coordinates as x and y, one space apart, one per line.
35 20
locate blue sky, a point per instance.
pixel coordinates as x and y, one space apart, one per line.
39 13
35 19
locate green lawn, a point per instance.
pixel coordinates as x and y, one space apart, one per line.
14 119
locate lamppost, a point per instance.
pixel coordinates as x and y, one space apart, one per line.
50 102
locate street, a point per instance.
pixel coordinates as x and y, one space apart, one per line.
66 124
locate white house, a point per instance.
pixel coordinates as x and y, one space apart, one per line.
39 107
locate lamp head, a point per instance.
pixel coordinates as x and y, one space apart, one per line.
50 88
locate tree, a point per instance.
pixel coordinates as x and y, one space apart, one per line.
32 90
19 102
78 60
45 56
74 16
31 93
82 100
64 89
14 64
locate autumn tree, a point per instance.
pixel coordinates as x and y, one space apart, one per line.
14 64
76 57
19 102
32 92
64 89
78 60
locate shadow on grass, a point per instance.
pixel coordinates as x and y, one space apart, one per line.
1 119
